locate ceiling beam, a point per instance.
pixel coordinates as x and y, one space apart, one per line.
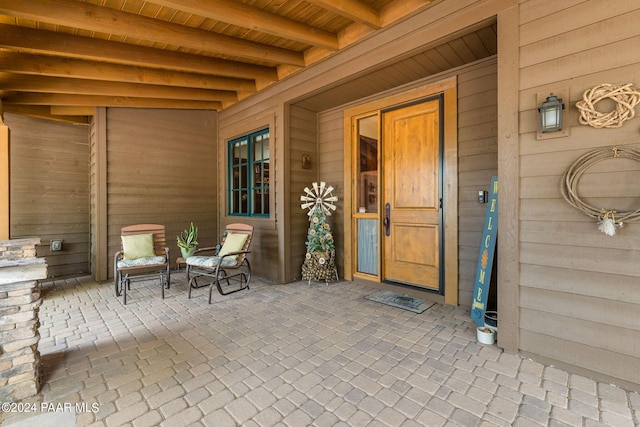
253 18
353 10
44 65
43 112
59 110
26 98
59 44
102 19
20 83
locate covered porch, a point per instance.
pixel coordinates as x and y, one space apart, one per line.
273 356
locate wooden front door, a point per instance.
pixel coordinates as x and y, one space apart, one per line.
411 232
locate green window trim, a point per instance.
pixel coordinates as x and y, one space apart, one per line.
249 180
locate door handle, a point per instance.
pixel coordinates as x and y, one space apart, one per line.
387 219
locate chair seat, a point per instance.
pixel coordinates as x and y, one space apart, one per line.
210 261
141 262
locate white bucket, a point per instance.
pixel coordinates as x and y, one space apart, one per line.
486 335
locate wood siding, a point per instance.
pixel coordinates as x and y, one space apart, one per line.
161 169
477 163
50 190
579 299
266 252
303 141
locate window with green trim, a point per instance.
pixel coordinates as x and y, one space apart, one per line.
249 174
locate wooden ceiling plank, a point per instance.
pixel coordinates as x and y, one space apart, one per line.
59 44
253 18
96 18
21 83
52 66
26 98
353 10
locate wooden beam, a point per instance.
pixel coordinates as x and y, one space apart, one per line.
21 83
28 98
59 44
353 10
253 18
59 110
91 17
45 65
43 112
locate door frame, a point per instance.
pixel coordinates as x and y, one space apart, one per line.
448 88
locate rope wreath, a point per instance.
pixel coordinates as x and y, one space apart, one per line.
608 219
625 96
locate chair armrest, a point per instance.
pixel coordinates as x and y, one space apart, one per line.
215 249
233 254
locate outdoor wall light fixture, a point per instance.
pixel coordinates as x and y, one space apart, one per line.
551 114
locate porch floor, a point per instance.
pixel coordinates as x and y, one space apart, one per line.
289 355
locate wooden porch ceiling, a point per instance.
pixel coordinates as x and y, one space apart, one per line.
62 58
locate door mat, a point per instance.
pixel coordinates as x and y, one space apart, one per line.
405 302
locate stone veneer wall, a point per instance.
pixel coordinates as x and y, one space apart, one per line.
20 301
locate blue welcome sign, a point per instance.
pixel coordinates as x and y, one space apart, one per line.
485 259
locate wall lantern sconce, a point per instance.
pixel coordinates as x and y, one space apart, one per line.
551 114
306 161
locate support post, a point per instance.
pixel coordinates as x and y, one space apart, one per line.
4 177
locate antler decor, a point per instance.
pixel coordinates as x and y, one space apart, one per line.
608 219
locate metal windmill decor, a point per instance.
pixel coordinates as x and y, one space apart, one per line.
319 262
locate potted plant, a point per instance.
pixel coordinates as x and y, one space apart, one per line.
188 241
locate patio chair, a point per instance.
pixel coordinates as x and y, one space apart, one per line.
226 265
143 255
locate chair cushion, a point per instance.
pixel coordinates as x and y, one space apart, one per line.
210 261
141 262
233 243
138 246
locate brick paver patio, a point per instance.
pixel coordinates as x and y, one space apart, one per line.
289 355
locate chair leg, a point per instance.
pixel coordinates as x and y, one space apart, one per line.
162 284
126 285
116 280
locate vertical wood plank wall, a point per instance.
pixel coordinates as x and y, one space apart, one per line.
50 190
161 170
303 141
477 163
265 255
580 293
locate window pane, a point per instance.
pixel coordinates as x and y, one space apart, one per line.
244 202
265 146
367 246
257 175
243 176
265 201
368 164
257 202
235 184
240 154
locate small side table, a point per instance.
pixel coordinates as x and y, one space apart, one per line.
180 261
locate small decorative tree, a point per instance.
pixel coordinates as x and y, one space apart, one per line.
319 263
